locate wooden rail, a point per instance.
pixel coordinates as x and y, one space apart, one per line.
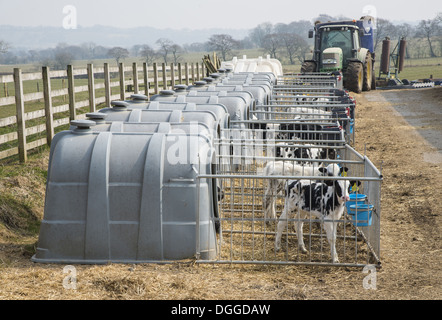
27 130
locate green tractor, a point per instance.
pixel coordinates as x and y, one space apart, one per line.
345 46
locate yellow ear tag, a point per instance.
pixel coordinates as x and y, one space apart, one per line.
344 174
355 188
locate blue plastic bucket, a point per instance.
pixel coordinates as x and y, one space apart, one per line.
355 198
361 214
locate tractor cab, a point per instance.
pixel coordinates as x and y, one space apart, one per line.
335 45
345 46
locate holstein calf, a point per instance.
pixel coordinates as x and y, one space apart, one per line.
325 200
281 168
307 151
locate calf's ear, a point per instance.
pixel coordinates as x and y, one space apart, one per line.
355 182
344 169
322 169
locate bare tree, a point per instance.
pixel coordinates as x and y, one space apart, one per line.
288 41
165 48
89 49
195 47
428 29
301 28
147 53
176 51
258 34
406 31
118 53
223 43
295 46
62 59
384 28
4 46
272 44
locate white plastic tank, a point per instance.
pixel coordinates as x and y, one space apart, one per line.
259 64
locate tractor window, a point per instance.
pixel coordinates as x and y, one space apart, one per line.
338 39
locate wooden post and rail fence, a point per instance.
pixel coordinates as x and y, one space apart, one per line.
44 103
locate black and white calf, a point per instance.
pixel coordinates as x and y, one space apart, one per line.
307 151
280 168
324 200
303 99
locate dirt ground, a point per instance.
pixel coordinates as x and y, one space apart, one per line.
398 130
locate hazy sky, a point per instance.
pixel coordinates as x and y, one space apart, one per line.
201 14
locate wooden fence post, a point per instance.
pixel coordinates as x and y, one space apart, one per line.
172 75
186 66
20 107
71 92
155 77
48 105
107 88
164 76
193 72
146 79
122 82
135 77
180 73
91 85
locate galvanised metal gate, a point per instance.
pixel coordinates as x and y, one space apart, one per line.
246 236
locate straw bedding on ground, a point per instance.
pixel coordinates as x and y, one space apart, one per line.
410 234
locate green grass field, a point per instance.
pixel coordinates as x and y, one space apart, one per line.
414 69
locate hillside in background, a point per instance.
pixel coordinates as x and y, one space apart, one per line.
48 37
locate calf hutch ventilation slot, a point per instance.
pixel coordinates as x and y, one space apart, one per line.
225 170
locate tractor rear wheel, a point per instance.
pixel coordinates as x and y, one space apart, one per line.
308 67
368 72
354 77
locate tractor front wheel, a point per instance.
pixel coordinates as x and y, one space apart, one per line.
354 77
308 67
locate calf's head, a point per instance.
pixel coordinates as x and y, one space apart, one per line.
341 189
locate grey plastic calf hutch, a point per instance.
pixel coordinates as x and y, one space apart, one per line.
218 109
230 91
150 127
261 94
237 106
268 77
122 113
120 197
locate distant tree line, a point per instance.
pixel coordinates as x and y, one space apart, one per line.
286 42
